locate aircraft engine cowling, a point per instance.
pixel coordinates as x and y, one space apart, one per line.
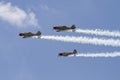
21 34
55 27
60 54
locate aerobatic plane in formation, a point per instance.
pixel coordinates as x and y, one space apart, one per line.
30 34
66 54
64 28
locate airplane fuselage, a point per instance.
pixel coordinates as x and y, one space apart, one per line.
66 54
29 34
62 28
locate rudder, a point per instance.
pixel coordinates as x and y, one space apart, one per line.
73 27
75 51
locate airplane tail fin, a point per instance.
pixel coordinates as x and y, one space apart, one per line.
38 33
75 51
73 27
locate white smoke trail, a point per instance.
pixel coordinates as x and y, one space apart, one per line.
83 40
114 54
97 32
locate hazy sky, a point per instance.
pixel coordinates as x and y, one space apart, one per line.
37 59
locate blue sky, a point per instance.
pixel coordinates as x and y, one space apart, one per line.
36 59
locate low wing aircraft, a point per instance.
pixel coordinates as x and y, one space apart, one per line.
66 54
64 28
30 34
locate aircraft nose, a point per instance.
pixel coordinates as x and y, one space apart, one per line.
20 34
54 27
60 54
